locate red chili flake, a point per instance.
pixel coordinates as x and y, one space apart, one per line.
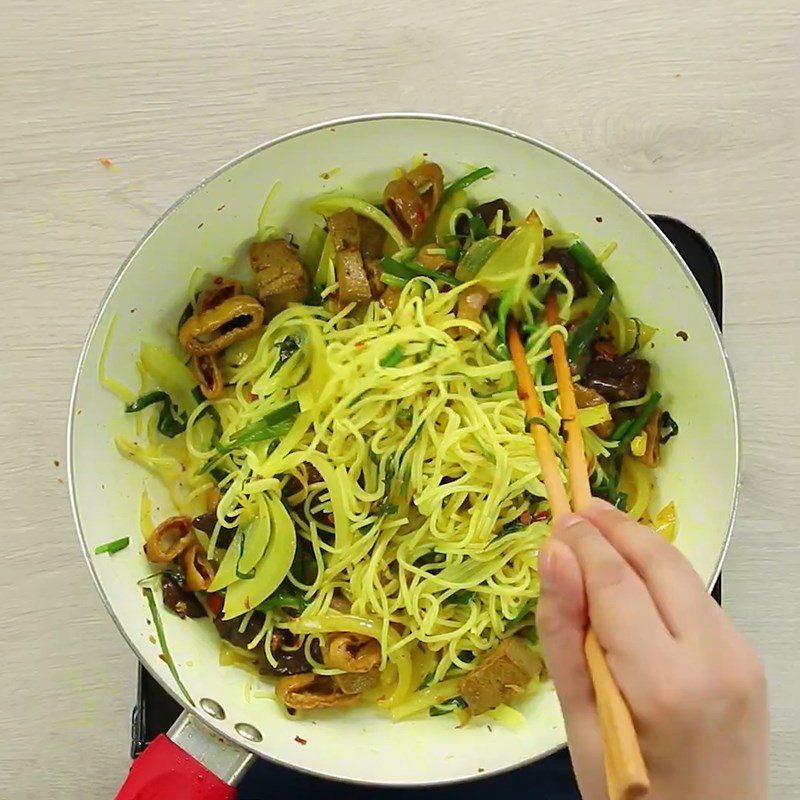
359 344
106 163
605 349
526 517
300 740
683 335
540 515
218 280
523 395
329 519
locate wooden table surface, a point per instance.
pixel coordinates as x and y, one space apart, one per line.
692 108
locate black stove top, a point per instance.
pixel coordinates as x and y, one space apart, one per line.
551 778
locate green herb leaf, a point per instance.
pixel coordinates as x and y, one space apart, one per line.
452 253
112 547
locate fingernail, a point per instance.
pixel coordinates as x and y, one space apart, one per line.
548 566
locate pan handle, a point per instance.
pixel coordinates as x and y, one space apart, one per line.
190 763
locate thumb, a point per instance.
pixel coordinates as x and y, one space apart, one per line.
562 620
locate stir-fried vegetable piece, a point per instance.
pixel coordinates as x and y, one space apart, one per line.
627 430
513 262
112 547
162 641
467 180
590 265
407 270
170 421
393 357
476 256
581 337
272 425
244 595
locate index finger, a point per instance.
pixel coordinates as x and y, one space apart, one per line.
622 612
679 593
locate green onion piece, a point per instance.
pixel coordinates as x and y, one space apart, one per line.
408 270
271 426
452 253
393 357
426 681
170 423
285 596
162 641
467 180
460 598
393 280
448 706
587 261
478 228
112 547
583 334
625 433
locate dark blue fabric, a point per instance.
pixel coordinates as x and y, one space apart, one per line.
549 779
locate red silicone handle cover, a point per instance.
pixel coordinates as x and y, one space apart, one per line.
166 772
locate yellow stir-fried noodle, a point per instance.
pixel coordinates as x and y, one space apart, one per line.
428 456
359 504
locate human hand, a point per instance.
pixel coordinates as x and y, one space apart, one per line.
695 687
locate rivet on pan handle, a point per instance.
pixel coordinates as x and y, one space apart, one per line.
190 763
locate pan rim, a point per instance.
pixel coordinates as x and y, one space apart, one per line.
349 120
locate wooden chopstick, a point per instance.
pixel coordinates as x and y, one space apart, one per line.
626 773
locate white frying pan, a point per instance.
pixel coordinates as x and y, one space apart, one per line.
700 467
